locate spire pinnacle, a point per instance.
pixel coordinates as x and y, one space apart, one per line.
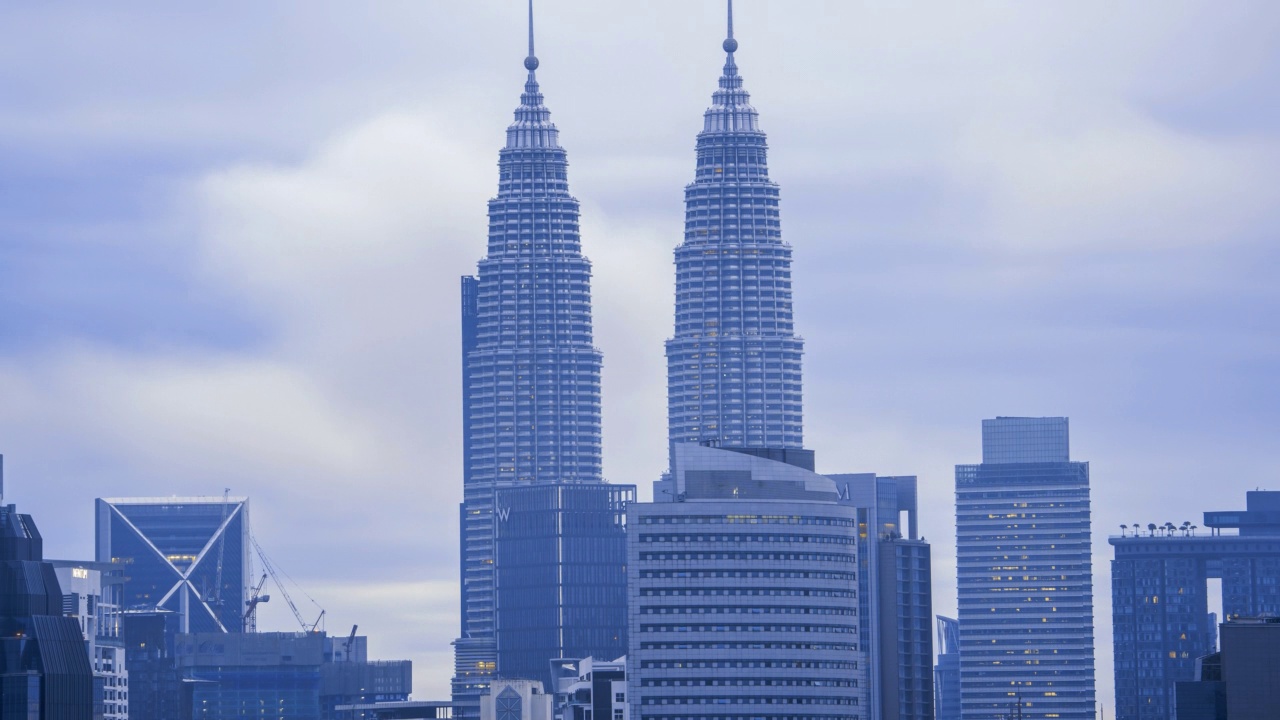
729 43
531 62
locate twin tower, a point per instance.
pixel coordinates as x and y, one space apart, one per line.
542 536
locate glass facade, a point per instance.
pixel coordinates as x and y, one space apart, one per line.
45 672
733 365
186 555
561 576
1025 576
531 386
946 675
1161 621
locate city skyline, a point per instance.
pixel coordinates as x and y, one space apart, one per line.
234 269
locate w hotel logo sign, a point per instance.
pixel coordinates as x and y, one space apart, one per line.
185 555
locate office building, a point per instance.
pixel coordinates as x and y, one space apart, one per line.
560 581
1025 578
1160 597
734 362
743 592
1204 698
91 595
531 417
946 675
187 555
45 673
895 594
589 688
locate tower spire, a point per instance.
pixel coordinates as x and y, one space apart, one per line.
729 43
531 62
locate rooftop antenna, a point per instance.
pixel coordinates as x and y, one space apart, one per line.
730 44
531 62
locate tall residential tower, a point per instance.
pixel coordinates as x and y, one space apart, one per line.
531 432
1025 575
733 366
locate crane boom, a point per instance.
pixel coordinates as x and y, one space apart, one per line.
271 570
222 550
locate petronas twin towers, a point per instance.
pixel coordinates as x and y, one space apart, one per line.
542 535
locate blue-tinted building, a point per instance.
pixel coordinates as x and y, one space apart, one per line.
743 593
733 364
531 417
186 555
946 674
1159 593
1025 575
45 672
560 578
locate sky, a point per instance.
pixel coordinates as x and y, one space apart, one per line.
231 236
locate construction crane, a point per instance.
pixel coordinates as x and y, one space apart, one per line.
216 597
275 577
250 620
351 640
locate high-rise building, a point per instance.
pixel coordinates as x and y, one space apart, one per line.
91 594
560 582
45 673
1025 578
946 675
531 420
895 594
733 365
743 592
189 555
1160 598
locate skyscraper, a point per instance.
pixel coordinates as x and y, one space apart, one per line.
186 555
1025 575
733 365
1160 597
531 413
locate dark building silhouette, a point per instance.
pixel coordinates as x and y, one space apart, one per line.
45 672
1242 682
1159 595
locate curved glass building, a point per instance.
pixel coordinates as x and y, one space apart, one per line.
733 365
743 592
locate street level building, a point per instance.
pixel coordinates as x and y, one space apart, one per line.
743 592
187 555
1025 577
1160 597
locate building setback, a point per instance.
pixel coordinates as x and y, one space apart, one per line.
1159 593
1025 578
733 365
743 593
531 419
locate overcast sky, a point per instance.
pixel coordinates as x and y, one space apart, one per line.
231 235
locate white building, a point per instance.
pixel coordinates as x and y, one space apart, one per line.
91 593
515 700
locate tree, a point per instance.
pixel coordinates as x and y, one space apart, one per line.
1123 528
1151 528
